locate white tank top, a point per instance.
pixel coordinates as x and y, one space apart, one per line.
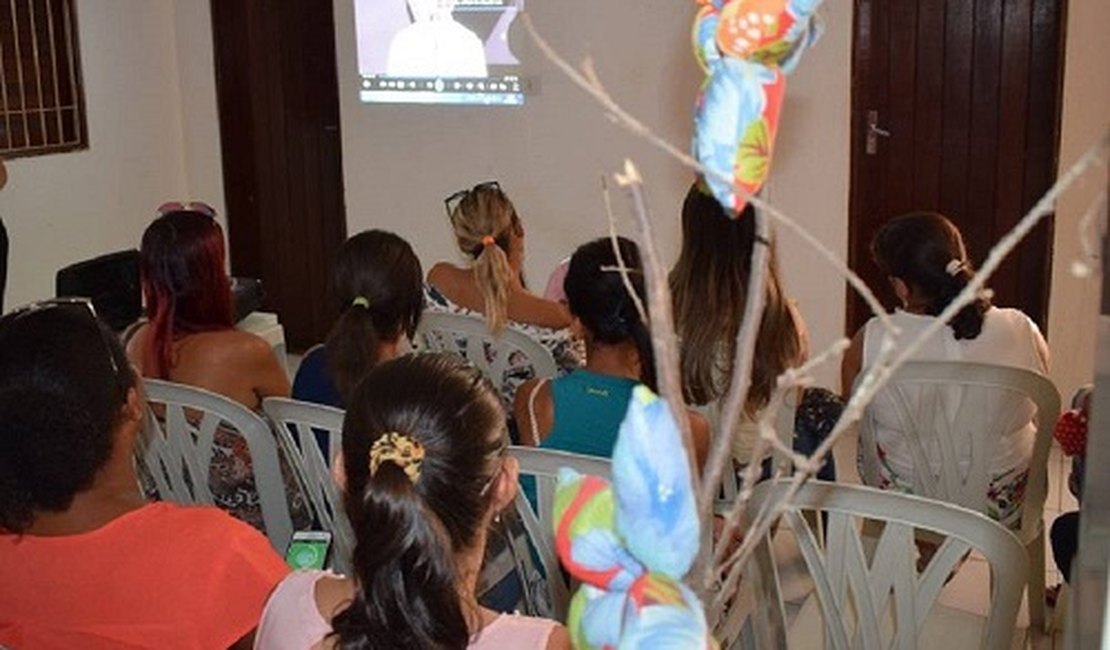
1009 338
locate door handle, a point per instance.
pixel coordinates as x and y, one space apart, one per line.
874 131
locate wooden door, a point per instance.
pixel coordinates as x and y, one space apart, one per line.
279 129
956 108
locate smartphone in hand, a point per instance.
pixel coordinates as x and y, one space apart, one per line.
308 549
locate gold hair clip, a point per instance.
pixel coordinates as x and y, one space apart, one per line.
399 449
361 301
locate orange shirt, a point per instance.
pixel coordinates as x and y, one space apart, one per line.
162 576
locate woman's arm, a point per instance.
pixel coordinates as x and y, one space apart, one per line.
534 310
269 377
699 432
851 364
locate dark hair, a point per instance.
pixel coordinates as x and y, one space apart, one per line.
597 295
60 403
379 289
185 283
709 286
918 248
408 532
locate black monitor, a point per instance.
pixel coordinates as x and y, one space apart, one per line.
112 283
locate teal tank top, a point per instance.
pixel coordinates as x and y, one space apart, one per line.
589 409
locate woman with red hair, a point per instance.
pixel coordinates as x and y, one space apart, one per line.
190 336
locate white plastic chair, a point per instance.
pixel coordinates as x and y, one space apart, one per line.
296 425
469 337
544 466
873 596
177 447
952 414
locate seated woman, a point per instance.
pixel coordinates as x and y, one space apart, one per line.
425 474
189 337
709 286
87 562
1071 433
378 287
582 412
489 231
923 256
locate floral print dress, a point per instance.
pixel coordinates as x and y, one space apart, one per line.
564 347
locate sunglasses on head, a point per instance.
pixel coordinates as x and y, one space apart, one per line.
455 199
79 305
191 206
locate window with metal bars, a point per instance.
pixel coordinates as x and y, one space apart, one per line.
42 103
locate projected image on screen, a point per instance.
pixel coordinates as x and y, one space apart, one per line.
438 52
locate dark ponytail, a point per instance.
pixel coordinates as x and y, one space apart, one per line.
968 322
409 532
378 286
642 337
407 596
598 297
926 251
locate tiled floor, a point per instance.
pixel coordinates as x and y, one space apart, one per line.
969 589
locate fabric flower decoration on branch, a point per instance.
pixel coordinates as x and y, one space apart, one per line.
746 47
630 543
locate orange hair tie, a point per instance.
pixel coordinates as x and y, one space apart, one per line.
488 240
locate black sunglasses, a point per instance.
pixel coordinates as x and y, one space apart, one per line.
455 199
81 305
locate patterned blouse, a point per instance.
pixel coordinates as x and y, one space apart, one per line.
568 351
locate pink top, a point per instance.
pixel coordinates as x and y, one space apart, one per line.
292 621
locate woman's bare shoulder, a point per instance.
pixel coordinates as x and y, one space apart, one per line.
333 595
229 346
445 273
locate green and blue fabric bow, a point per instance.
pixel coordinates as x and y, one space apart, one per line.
746 47
630 543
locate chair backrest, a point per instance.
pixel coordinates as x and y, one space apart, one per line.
544 465
312 433
952 415
179 442
497 356
877 598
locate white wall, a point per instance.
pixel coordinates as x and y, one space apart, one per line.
64 208
810 179
400 161
1086 117
200 120
150 91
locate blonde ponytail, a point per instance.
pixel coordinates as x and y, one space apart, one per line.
484 221
492 274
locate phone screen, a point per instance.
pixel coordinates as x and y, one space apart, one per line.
308 550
